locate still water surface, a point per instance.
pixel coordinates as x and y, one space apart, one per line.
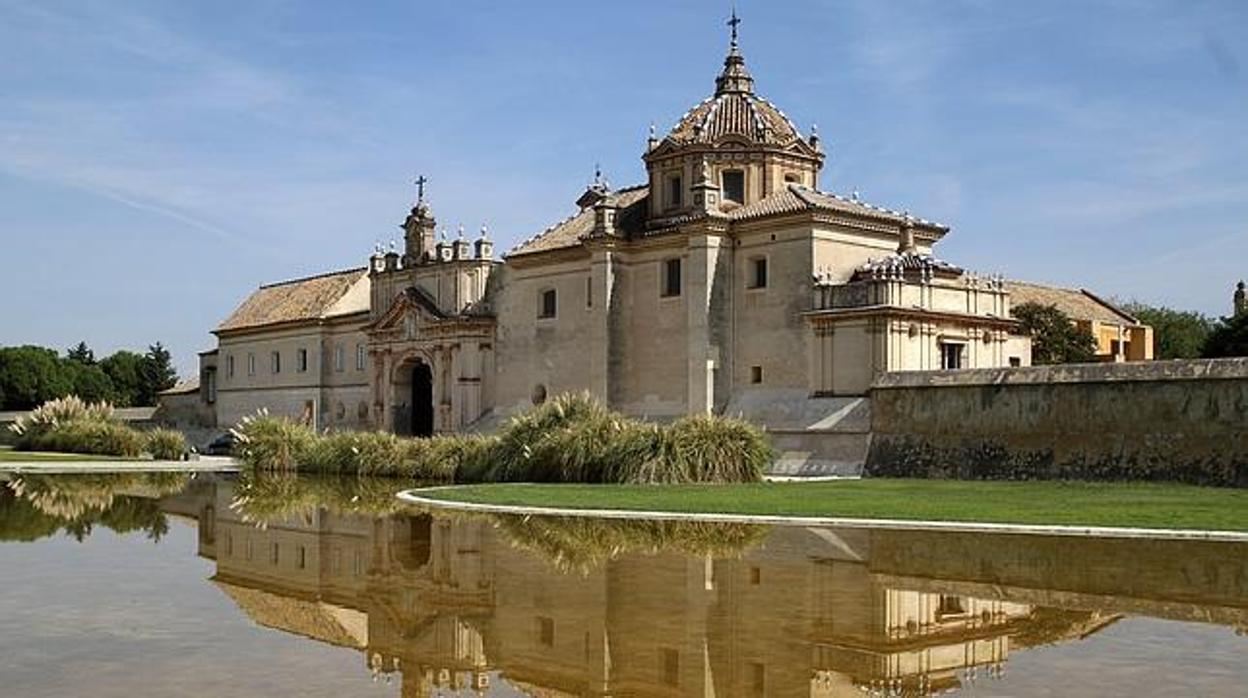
169 585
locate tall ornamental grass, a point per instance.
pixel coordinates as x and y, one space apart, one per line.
165 444
571 438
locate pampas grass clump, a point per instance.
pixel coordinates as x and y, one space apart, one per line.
272 443
165 444
571 438
89 437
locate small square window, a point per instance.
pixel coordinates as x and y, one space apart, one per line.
671 278
758 272
1015 362
756 576
951 356
549 304
756 374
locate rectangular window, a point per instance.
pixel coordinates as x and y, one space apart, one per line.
589 292
546 631
301 361
229 366
758 272
340 358
275 362
274 554
251 364
756 576
671 278
675 192
759 678
951 356
734 185
361 356
210 380
669 665
1015 362
301 558
756 374
548 305
950 606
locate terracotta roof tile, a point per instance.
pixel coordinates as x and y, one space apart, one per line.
311 298
1078 304
569 231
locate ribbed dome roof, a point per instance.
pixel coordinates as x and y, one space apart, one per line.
734 110
735 114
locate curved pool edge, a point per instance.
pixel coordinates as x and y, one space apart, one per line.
414 496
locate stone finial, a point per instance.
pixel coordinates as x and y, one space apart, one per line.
484 247
906 243
1241 299
814 136
652 141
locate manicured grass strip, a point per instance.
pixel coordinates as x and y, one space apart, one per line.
8 455
1037 503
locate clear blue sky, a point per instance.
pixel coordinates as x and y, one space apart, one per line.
159 160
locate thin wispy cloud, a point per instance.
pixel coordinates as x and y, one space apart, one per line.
1096 144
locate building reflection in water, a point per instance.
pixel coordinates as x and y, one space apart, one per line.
446 603
449 603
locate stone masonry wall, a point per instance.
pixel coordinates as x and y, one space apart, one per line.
1182 421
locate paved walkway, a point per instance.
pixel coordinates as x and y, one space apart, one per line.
205 464
417 496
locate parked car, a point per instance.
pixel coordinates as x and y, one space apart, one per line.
223 445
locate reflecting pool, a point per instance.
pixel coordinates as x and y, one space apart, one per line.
170 585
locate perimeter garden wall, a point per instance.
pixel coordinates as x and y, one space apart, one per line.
1184 421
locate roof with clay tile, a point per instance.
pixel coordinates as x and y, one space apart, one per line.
796 197
1078 304
311 298
569 231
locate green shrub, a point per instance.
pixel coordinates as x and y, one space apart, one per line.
97 438
457 457
272 443
702 448
165 444
571 438
30 428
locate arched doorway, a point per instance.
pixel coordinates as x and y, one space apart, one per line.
413 411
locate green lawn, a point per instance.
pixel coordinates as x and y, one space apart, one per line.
1060 503
8 455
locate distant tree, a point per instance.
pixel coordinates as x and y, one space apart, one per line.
89 382
1177 334
1054 337
157 372
30 376
1229 338
125 370
81 354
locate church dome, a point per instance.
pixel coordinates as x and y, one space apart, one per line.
734 110
740 114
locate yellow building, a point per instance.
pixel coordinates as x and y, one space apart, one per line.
1119 336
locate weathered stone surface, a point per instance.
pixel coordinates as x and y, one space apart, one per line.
1172 420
